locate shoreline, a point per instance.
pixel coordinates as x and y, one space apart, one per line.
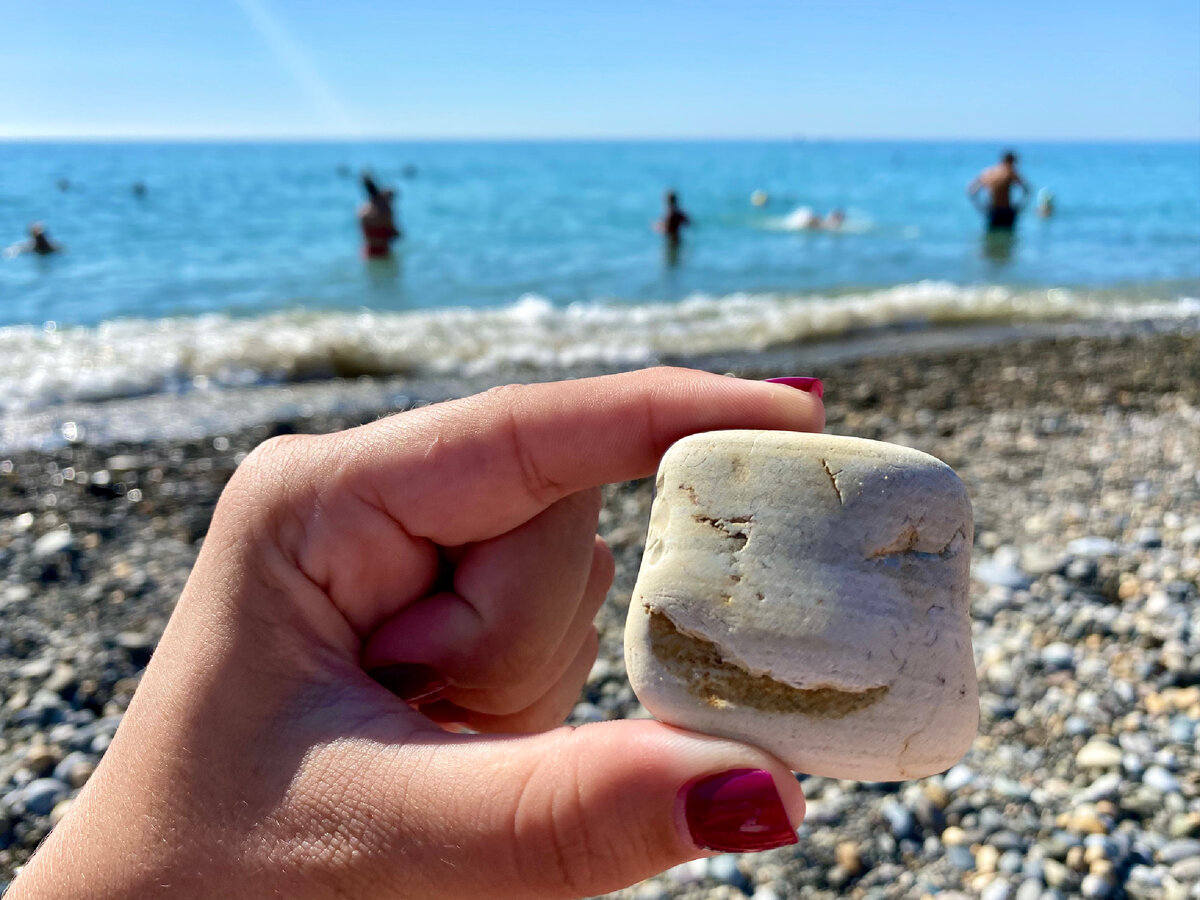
198 413
1080 454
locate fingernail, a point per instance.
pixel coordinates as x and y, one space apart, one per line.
801 383
738 811
411 682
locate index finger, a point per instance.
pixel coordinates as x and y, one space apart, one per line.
474 468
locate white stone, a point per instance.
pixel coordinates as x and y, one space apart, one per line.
808 594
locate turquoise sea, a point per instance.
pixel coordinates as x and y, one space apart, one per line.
240 265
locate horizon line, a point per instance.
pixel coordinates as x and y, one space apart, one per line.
698 138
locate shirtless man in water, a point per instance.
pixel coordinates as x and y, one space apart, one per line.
999 180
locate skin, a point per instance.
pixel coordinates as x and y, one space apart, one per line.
258 758
998 181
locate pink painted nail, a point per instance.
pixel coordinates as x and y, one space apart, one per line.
411 682
738 811
800 383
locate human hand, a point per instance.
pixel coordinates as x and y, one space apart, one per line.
452 551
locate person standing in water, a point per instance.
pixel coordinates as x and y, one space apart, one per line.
673 220
999 181
377 220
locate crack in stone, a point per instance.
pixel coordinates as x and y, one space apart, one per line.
730 528
833 480
905 543
721 682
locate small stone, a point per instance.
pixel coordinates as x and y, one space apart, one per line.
1098 755
725 869
900 820
61 808
957 778
954 836
1085 821
1187 870
1093 547
52 543
1096 888
41 759
1002 569
996 890
986 858
651 890
1058 656
1161 780
40 796
961 858
848 857
1173 851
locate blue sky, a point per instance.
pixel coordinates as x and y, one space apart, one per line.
534 68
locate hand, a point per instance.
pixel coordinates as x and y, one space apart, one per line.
452 551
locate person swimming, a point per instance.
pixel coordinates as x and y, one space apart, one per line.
39 243
377 219
999 181
1045 203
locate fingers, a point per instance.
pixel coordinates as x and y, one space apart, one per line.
545 712
573 812
502 698
489 462
514 601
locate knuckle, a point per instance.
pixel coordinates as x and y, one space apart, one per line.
508 400
275 461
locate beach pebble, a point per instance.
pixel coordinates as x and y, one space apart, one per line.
42 795
1098 755
52 543
806 593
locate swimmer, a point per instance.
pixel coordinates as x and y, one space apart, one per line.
139 189
999 181
759 198
377 220
1045 203
39 243
834 221
673 221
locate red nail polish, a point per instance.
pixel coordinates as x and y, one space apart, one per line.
811 385
738 811
411 682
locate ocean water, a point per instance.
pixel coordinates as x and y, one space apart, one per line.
239 265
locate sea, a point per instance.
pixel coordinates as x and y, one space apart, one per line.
205 284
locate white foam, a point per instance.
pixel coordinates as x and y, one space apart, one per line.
42 367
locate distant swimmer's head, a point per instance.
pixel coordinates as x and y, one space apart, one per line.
672 198
37 230
1009 158
836 218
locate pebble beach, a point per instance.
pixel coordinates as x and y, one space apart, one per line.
1082 459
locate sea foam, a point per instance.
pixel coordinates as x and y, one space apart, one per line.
44 366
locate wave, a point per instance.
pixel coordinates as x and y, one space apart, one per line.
45 366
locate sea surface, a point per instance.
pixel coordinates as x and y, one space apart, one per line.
239 265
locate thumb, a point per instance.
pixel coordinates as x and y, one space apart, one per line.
578 812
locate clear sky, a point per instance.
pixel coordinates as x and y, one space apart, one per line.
1026 69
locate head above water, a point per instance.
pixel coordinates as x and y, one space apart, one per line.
1009 158
671 197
